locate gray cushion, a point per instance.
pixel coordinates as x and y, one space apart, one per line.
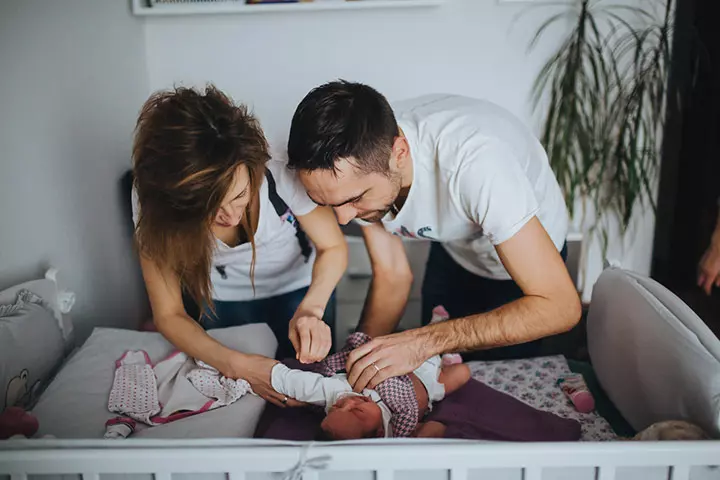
75 403
652 354
31 347
47 290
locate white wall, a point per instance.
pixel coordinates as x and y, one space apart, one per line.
72 77
272 60
471 47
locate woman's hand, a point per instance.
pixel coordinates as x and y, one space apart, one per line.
256 370
709 268
309 334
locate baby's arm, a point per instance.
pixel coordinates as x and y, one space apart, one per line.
306 387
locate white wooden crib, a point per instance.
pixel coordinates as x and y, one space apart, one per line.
420 460
654 357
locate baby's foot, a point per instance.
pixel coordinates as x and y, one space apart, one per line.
451 359
439 314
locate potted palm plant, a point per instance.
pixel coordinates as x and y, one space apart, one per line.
603 97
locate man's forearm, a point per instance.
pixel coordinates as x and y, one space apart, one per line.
384 306
526 319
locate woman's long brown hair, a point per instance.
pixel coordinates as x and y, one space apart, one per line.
188 146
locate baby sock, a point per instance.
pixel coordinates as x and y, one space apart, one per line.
439 314
119 427
575 389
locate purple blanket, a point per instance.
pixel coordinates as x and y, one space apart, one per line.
475 411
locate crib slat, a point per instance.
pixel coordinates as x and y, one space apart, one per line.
458 474
605 473
532 473
384 475
679 472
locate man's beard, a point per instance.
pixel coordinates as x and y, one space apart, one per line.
374 216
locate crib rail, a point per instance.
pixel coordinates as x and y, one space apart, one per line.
377 461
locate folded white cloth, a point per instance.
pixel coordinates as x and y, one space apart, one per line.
175 388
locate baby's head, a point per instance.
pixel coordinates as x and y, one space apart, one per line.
353 417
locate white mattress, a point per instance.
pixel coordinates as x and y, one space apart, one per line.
75 403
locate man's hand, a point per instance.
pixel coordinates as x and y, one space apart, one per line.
256 370
709 269
386 357
310 336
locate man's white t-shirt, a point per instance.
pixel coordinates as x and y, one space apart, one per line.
479 175
280 266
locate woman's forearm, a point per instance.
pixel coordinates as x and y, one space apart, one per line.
190 338
385 303
330 264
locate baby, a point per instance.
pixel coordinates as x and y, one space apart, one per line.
393 409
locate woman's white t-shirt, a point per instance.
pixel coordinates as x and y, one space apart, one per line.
280 266
479 175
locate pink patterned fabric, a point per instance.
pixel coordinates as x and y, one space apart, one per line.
119 427
208 381
175 388
533 381
397 392
134 391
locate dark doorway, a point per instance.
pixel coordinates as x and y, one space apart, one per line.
690 172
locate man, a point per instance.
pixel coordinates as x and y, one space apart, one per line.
464 174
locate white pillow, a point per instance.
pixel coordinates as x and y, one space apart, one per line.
652 354
31 347
75 403
47 290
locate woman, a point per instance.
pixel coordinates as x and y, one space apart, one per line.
219 222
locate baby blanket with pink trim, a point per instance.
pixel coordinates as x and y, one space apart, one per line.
174 388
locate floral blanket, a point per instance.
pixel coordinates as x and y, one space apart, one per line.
533 381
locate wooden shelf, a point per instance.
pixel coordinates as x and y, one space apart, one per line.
140 7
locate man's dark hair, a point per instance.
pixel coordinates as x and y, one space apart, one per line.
342 120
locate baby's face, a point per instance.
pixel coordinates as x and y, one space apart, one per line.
353 417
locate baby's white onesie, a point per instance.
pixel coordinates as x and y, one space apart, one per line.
313 388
